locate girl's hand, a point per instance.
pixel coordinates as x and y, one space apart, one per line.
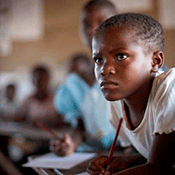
98 166
117 164
64 146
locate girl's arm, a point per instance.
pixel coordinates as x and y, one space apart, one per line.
160 161
161 157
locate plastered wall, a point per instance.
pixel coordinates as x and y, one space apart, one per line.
61 37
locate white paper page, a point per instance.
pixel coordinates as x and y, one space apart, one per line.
51 160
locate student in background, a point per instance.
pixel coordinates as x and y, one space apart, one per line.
96 109
128 53
40 106
93 13
69 98
93 104
9 106
9 111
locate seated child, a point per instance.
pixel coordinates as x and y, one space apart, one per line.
92 105
38 107
10 105
128 53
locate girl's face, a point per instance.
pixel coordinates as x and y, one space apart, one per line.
121 67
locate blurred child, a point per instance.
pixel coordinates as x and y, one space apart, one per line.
93 13
9 111
69 98
39 106
128 52
70 94
9 107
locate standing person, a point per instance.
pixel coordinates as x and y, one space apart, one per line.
128 52
93 105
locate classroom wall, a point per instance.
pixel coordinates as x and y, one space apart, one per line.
60 35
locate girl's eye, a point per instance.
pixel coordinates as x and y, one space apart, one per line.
98 60
121 56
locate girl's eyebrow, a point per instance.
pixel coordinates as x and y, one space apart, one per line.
112 51
116 50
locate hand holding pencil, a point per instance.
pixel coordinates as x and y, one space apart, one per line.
104 164
62 146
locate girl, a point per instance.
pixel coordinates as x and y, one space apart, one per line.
128 52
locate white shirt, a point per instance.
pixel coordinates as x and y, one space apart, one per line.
159 115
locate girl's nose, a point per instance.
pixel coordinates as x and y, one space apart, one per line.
108 68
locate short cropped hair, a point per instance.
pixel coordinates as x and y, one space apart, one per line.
40 68
80 56
99 3
148 31
11 86
77 58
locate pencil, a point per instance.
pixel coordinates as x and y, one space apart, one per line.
43 127
111 152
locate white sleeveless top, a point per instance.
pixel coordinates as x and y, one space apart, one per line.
159 116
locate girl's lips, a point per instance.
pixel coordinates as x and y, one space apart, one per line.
108 85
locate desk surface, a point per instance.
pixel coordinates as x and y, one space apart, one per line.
13 128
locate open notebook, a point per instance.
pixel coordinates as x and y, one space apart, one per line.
51 160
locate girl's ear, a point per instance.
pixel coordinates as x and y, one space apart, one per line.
157 61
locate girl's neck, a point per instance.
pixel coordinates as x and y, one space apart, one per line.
136 104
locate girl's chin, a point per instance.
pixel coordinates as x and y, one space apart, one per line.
111 97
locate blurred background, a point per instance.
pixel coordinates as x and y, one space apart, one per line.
47 32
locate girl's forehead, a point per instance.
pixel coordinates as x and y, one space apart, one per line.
114 39
116 34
